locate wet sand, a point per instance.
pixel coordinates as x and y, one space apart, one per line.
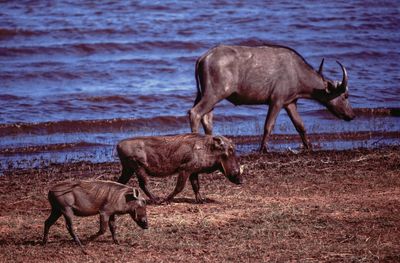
316 206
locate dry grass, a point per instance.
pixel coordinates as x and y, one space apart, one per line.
320 206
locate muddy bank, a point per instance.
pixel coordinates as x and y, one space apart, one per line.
319 206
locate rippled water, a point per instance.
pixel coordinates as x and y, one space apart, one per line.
134 60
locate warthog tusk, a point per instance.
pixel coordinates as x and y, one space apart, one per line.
223 167
241 169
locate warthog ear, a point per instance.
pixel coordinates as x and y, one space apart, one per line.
218 142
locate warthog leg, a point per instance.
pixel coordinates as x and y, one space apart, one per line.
103 226
180 184
194 179
54 216
113 228
68 213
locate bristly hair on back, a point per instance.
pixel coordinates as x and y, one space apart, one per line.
106 189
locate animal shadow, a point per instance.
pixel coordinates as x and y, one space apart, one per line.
193 201
182 200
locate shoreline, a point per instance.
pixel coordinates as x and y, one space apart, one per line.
49 153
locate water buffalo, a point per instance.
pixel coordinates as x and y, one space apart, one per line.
186 155
270 74
87 198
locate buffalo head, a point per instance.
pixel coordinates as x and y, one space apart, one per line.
336 95
224 149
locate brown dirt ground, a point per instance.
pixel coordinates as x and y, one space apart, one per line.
311 207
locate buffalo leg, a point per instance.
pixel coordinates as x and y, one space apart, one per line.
180 184
207 122
54 216
68 221
291 109
142 178
194 180
125 175
199 110
112 226
273 112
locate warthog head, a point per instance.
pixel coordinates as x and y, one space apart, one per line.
337 94
224 149
137 208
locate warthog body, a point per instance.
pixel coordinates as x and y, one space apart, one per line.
270 74
87 198
186 155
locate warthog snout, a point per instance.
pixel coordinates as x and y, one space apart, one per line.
143 223
236 179
232 169
139 215
235 176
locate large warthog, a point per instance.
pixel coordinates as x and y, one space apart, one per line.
270 74
186 155
87 198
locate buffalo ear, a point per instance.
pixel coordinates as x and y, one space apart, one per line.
330 87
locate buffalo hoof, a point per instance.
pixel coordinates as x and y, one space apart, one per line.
263 149
166 201
200 200
307 148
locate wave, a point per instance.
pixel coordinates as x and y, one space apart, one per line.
109 99
100 47
364 112
365 55
8 33
48 148
9 97
123 100
85 126
374 112
12 32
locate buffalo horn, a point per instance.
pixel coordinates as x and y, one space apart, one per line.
321 67
343 84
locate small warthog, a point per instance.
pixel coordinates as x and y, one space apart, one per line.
87 198
186 155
